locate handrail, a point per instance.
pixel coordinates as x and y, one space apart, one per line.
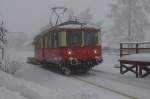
133 47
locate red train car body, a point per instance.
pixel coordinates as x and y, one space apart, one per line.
70 47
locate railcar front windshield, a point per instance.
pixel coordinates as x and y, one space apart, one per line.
90 38
74 39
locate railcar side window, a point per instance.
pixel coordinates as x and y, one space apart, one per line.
36 44
90 38
54 40
41 42
74 39
49 40
45 41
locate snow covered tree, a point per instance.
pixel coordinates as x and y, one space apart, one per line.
130 21
85 16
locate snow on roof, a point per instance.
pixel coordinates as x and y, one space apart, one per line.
45 27
142 57
73 26
92 26
78 26
70 25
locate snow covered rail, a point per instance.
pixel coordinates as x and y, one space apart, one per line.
106 88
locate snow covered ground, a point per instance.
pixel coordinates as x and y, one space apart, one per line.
23 88
103 82
107 75
74 89
7 94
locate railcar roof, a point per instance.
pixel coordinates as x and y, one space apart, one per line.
69 25
76 25
70 22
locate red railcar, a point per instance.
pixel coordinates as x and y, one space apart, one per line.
70 47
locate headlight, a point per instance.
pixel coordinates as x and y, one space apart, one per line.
95 51
69 52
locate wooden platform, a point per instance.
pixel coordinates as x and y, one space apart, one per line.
134 60
139 68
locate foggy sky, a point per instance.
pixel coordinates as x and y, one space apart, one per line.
30 15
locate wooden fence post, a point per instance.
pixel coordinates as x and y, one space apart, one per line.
137 50
121 49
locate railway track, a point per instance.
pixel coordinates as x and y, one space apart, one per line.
105 88
122 79
102 86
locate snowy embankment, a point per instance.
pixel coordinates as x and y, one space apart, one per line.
7 94
14 88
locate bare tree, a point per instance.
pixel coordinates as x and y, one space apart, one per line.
130 21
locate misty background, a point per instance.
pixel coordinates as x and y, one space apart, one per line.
24 18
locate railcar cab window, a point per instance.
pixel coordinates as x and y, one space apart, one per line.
74 39
90 38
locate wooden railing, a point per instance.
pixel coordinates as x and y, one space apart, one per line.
134 48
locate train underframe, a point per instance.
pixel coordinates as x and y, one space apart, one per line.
71 66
